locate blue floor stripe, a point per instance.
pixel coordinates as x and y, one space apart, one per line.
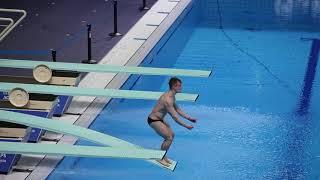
309 78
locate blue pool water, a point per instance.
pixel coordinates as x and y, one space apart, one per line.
257 115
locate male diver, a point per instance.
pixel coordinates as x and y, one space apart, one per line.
167 104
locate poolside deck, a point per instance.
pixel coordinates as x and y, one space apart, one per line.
61 25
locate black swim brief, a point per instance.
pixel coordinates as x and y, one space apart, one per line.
153 120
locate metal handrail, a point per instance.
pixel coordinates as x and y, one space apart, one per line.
7 26
24 14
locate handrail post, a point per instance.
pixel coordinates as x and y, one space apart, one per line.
144 6
54 55
89 60
115 20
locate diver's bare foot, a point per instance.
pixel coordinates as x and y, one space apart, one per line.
163 162
167 160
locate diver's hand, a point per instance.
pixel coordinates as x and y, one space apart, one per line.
189 127
194 120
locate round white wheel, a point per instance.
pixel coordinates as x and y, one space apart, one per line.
18 97
42 73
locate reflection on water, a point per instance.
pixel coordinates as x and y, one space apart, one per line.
289 10
283 9
303 6
315 11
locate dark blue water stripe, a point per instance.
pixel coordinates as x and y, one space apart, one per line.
309 77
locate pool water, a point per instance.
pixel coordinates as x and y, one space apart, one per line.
249 123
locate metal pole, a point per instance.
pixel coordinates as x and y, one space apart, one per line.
54 55
115 20
89 40
89 60
144 6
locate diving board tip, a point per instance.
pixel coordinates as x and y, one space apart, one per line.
172 166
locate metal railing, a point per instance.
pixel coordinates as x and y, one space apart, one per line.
9 28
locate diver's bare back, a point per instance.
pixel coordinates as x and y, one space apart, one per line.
160 110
